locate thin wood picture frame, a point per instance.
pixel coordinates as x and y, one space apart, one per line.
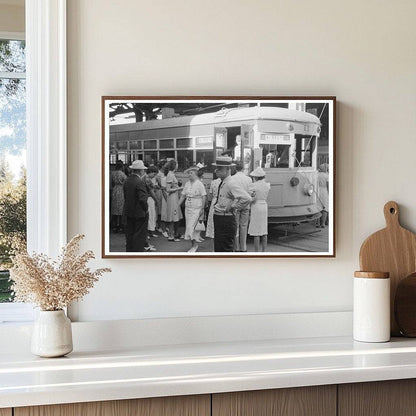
292 139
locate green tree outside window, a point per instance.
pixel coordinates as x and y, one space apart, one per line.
12 147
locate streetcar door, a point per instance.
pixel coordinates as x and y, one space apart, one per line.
247 145
220 141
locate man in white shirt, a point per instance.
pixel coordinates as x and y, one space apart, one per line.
232 197
242 215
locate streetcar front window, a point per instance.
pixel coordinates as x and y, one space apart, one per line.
275 155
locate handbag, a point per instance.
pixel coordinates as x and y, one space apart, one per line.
200 226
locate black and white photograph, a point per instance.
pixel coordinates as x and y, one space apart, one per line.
218 176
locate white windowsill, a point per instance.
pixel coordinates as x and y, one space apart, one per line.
16 313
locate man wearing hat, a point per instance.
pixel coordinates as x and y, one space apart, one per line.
231 196
135 208
242 216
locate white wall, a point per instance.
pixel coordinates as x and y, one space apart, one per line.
360 51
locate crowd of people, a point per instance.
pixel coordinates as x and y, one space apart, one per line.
150 201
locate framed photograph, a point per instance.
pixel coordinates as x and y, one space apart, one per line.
218 176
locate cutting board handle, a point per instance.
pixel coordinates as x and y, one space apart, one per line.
391 213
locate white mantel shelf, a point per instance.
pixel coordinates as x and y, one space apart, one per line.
151 371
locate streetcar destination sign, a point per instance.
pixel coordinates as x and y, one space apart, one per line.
275 138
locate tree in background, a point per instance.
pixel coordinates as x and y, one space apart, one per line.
12 145
12 97
12 222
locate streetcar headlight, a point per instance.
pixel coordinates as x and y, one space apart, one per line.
308 189
294 181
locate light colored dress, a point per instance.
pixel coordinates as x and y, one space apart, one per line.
151 223
323 195
117 201
213 191
258 214
157 181
194 193
173 213
164 205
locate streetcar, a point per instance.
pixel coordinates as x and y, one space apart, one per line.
283 141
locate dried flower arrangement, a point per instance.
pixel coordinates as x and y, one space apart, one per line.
53 285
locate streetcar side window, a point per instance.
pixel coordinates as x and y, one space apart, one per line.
135 144
305 148
185 159
184 143
150 144
166 154
166 144
122 156
150 158
205 157
113 158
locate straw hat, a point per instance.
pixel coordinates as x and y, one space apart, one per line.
192 168
226 161
258 173
138 165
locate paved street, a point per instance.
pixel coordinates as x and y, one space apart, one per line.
281 239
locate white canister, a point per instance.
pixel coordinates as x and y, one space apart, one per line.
371 307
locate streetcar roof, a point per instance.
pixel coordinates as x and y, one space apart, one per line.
224 115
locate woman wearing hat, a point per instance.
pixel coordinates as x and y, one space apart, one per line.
258 215
194 195
173 213
117 195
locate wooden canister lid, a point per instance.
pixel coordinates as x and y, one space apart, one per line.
372 275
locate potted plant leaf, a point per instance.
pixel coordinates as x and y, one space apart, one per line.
52 285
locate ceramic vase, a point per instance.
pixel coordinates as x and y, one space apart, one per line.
52 334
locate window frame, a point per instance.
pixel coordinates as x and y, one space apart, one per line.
14 312
46 137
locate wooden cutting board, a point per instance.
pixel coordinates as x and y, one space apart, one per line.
393 250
